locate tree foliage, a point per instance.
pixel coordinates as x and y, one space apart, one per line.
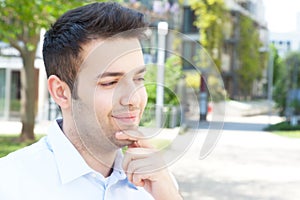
286 77
210 17
22 20
20 24
173 73
279 80
292 62
292 84
250 67
279 70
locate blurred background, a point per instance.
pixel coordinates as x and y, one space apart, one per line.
253 45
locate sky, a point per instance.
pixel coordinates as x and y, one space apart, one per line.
281 15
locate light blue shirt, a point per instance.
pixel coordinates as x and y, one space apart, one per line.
52 169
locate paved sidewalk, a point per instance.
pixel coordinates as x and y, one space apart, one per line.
246 164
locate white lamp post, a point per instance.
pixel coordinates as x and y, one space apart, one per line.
162 32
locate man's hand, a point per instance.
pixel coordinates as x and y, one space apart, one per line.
145 167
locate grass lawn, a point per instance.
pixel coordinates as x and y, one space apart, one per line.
285 129
291 134
9 143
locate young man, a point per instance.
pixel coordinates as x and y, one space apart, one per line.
95 71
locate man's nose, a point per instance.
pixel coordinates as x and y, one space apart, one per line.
129 94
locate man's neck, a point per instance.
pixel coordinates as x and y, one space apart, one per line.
102 161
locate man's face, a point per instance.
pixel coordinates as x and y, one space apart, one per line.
111 92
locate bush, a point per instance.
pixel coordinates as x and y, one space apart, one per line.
282 126
192 80
173 72
10 143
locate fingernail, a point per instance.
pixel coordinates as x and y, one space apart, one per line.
119 133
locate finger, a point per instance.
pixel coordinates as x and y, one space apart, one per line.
142 163
137 166
138 180
122 136
130 170
141 144
138 140
139 171
141 139
135 154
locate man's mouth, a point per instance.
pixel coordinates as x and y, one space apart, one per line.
128 118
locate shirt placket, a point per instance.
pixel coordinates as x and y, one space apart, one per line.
112 181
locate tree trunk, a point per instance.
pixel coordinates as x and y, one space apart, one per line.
28 96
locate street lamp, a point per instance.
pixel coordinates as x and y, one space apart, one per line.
162 32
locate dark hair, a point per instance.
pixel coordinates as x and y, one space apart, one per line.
64 40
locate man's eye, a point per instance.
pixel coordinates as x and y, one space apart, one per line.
106 84
141 79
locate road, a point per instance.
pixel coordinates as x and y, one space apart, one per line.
247 163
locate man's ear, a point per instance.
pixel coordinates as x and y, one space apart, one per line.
59 91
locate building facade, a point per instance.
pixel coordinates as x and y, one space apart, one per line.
254 9
11 66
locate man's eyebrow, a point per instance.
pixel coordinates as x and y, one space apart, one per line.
115 74
141 70
107 74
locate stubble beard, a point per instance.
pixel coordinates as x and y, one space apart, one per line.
110 134
97 132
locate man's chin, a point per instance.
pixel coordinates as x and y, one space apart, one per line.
125 128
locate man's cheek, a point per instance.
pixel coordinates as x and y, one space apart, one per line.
102 108
144 98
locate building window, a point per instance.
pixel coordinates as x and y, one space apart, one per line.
288 45
2 92
189 49
15 95
188 20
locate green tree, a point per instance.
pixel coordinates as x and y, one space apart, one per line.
286 77
20 23
250 68
292 63
210 18
279 70
172 74
279 80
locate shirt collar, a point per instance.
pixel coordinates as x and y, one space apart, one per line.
69 162
118 172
